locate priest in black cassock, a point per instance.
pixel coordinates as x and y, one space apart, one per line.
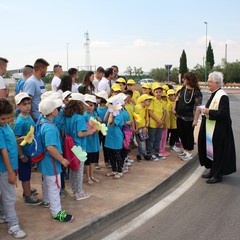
216 146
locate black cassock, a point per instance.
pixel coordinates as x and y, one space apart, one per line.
224 154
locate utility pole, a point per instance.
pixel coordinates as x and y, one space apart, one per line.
87 51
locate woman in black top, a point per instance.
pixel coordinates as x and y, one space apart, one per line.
190 97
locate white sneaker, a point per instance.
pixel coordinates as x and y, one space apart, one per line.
187 157
176 149
182 154
129 160
16 232
154 158
81 196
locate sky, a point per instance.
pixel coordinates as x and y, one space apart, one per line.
147 34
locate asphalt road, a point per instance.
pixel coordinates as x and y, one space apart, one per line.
204 212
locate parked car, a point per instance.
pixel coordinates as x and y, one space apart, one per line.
146 80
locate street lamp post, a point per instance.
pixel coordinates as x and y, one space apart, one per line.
206 55
67 54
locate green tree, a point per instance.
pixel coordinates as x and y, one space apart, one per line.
158 74
129 71
210 57
183 64
199 71
232 72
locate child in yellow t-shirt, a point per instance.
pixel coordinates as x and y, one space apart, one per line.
136 94
173 121
163 141
141 123
156 122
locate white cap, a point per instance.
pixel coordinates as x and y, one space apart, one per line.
116 99
90 98
65 94
102 94
46 106
123 96
20 96
77 97
46 94
56 95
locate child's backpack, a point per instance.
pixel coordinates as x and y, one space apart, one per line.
74 163
37 149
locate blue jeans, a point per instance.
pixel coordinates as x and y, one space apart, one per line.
153 142
141 146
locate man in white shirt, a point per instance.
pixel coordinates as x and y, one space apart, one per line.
104 83
4 91
57 69
98 77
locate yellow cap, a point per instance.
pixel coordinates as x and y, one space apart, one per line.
170 92
178 88
165 87
156 85
130 81
121 80
164 94
144 97
115 87
147 85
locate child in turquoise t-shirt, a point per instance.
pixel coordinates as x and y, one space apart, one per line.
50 165
93 144
21 127
8 168
75 126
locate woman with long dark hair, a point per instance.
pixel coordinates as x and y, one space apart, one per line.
189 98
87 85
65 84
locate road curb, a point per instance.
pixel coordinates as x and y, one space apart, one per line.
104 220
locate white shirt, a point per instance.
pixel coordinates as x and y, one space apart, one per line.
74 88
2 84
104 85
55 83
95 83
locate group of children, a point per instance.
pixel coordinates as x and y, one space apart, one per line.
147 118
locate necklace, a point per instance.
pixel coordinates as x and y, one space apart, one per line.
184 96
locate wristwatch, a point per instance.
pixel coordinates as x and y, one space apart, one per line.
22 156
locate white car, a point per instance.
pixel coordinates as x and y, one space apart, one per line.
146 80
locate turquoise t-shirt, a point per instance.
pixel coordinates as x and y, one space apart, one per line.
125 115
74 124
50 137
59 120
114 137
21 128
101 113
93 144
8 141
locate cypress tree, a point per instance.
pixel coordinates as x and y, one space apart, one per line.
210 56
183 64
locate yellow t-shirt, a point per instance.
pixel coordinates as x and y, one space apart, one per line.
142 112
158 108
130 109
167 116
173 117
135 96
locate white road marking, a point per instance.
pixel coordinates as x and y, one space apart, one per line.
154 210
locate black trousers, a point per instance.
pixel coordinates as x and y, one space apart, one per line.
185 131
115 159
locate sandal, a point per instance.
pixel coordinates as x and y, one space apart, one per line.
111 174
118 176
89 181
94 179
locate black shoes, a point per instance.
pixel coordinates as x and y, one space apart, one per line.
139 158
214 180
207 175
